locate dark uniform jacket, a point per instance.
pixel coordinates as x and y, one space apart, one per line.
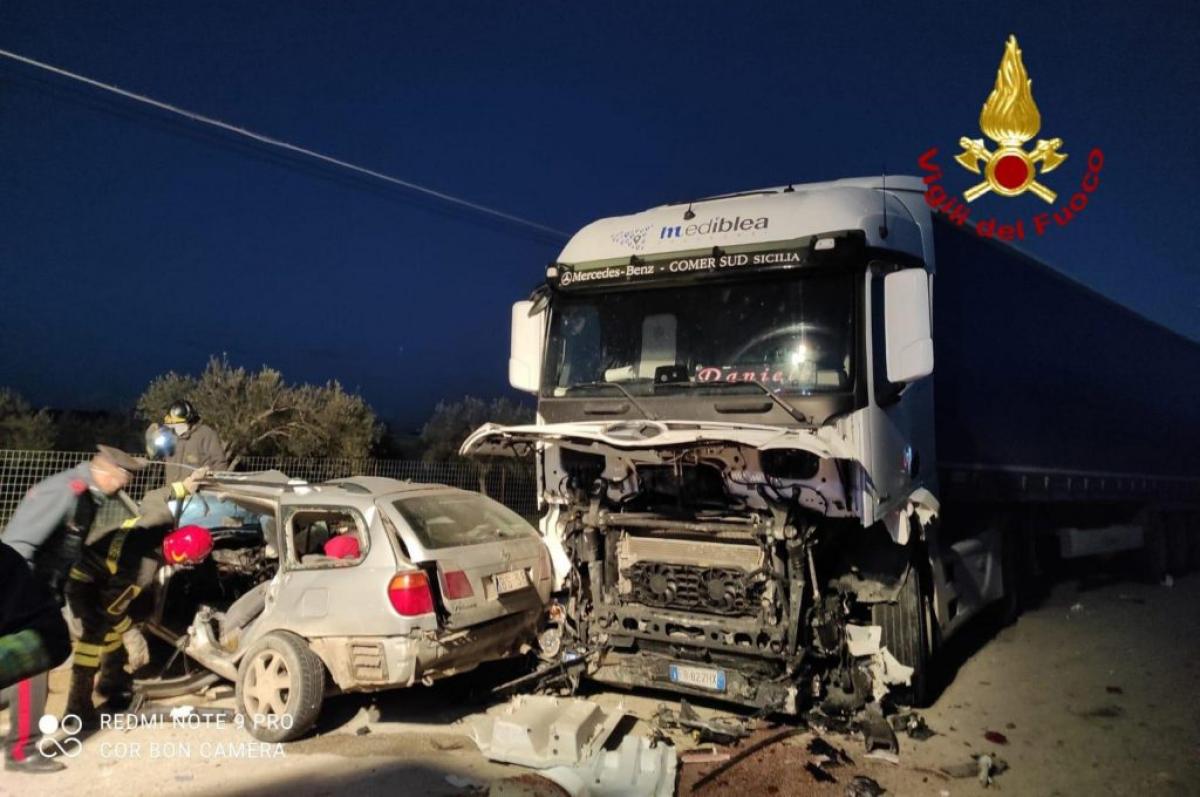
121 560
50 524
199 447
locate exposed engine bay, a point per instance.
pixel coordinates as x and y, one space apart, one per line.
719 569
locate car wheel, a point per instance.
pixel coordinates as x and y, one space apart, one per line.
280 686
908 634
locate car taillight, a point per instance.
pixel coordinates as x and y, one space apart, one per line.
409 593
456 585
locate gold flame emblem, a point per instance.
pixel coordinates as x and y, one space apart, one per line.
1010 118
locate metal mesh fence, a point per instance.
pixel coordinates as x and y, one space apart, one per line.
513 484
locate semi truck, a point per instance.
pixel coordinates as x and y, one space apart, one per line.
789 441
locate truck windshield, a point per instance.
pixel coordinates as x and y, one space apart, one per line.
793 334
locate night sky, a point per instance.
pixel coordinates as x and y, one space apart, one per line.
132 242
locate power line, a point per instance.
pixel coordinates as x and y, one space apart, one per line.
284 145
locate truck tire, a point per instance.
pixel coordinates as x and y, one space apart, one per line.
280 687
908 635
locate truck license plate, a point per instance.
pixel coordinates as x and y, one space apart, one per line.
701 677
511 581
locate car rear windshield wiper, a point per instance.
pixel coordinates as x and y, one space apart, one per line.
788 408
650 416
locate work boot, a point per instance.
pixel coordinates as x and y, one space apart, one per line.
115 686
79 697
34 765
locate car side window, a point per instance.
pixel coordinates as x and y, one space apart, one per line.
326 537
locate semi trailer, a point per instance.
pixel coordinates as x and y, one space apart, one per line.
788 441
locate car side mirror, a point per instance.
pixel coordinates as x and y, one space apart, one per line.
525 352
907 324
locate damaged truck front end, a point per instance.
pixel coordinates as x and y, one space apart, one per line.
709 559
732 419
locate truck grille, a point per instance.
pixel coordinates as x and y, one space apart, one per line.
716 590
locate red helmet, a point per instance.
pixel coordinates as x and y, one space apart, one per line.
187 546
343 546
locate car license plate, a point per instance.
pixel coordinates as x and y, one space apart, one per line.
700 677
511 581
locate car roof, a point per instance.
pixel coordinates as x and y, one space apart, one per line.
270 486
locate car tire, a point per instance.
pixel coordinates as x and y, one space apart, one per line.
908 634
280 687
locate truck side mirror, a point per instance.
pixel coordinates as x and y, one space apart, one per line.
907 325
525 353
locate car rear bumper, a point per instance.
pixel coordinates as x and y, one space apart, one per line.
365 663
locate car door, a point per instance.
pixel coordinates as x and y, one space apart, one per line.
319 595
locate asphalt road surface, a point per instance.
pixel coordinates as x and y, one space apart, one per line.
1094 692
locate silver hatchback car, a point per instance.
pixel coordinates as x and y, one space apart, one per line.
376 584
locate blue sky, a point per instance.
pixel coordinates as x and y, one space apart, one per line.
132 243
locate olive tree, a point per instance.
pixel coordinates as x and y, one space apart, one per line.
22 427
261 414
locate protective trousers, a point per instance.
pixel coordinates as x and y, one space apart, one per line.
102 613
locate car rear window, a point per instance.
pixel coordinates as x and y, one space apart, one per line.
450 519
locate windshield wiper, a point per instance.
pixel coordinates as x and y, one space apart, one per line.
788 408
650 416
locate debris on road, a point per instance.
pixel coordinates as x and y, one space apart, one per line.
569 741
913 725
540 732
636 768
360 723
710 756
988 767
828 755
995 737
720 730
984 767
863 640
1114 690
877 732
818 774
862 786
884 755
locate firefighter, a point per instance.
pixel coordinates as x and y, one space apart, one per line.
44 536
196 445
111 572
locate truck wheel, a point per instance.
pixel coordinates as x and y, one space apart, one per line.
280 686
908 634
